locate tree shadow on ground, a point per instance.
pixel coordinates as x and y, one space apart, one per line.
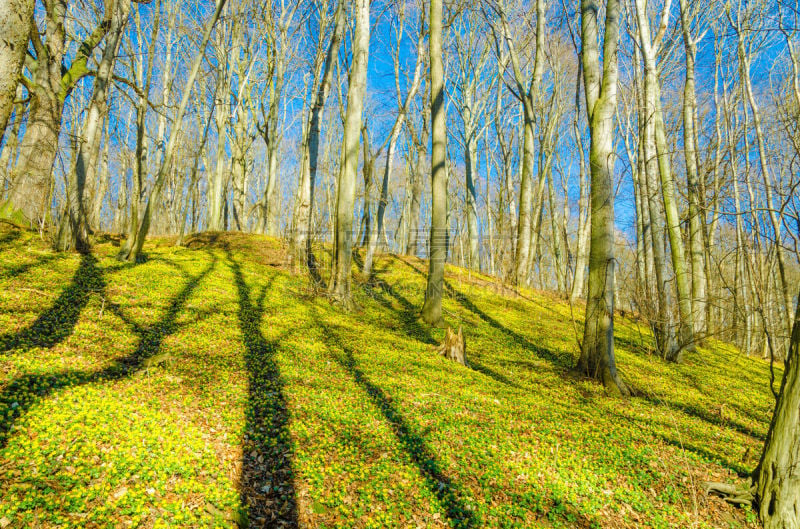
708 455
676 439
753 413
564 361
412 443
26 390
18 270
637 347
408 316
267 482
57 323
10 233
706 416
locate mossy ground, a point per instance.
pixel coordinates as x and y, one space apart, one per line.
277 409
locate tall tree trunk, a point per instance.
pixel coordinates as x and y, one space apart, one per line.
392 148
522 256
489 220
556 223
582 237
9 153
528 93
74 229
412 235
15 26
216 188
144 76
597 354
662 327
777 477
653 231
696 199
346 190
383 201
652 105
102 184
239 148
368 173
52 82
744 65
471 166
29 196
303 217
432 308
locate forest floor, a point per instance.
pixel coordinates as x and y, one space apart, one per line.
268 406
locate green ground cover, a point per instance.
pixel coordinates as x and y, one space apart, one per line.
270 407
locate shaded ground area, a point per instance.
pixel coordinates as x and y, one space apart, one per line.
206 387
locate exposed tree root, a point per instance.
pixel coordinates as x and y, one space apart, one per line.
733 494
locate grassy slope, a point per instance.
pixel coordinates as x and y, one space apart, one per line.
324 419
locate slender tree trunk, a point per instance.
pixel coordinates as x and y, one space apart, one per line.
654 115
239 160
383 202
662 327
556 223
346 190
527 94
132 252
368 173
654 229
432 308
597 354
744 64
102 184
489 219
305 203
216 198
582 237
143 75
412 236
696 199
471 165
390 154
74 232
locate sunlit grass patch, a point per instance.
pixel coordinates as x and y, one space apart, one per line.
269 407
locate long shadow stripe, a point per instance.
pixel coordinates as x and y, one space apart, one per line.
267 482
24 391
413 444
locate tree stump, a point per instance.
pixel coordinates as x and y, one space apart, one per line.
454 347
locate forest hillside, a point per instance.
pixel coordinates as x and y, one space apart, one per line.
207 387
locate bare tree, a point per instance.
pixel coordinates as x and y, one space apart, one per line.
15 16
527 92
432 308
654 119
51 82
323 70
346 188
131 251
394 134
597 353
74 226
